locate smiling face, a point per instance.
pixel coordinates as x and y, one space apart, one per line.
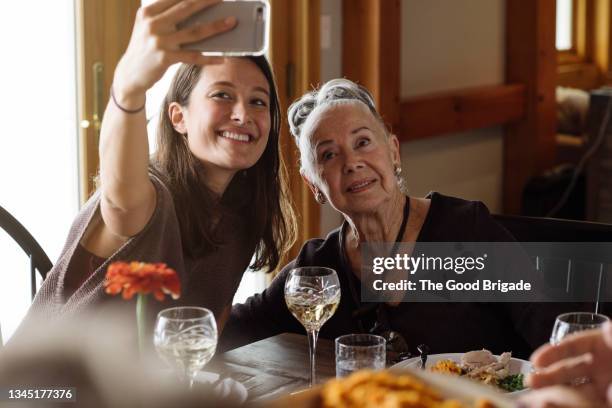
227 119
352 159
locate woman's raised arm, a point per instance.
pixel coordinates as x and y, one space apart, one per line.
128 196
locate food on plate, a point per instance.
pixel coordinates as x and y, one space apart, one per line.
447 367
512 383
383 389
483 366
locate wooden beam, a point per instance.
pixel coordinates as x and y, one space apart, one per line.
584 29
602 49
531 59
306 49
294 55
371 44
458 111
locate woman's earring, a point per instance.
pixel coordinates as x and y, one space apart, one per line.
397 170
320 197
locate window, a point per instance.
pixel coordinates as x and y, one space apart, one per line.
575 30
580 37
38 146
565 25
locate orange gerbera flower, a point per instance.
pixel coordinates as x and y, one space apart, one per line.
142 278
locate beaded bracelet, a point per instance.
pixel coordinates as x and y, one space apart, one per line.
130 111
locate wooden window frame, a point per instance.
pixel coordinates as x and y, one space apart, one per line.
582 34
577 67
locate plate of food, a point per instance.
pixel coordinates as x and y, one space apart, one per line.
502 372
396 389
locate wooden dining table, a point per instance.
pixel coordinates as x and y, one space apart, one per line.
275 366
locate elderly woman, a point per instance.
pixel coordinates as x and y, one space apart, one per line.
350 159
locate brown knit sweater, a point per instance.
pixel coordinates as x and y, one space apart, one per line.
208 281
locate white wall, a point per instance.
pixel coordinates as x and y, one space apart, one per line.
466 165
452 44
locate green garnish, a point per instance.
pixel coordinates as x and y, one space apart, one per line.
512 383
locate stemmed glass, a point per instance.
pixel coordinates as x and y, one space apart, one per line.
312 295
186 339
568 323
573 322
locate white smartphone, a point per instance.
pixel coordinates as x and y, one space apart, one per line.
249 37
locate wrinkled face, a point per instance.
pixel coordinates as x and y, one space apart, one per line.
227 120
353 159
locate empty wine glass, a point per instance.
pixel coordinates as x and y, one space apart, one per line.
573 322
312 295
186 339
569 323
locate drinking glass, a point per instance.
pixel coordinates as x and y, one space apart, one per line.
573 322
568 323
312 295
186 339
359 351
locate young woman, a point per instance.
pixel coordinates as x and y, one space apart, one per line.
210 202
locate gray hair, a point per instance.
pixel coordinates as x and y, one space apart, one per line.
305 112
334 92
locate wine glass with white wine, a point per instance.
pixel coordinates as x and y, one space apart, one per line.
186 339
312 295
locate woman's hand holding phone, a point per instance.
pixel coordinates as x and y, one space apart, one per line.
155 44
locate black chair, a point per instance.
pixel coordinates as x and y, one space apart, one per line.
589 275
39 261
536 229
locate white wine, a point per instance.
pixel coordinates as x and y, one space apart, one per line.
188 351
312 295
313 310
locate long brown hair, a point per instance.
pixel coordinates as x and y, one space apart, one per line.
258 195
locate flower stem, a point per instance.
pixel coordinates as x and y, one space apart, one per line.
141 307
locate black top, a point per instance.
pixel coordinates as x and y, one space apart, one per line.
444 327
